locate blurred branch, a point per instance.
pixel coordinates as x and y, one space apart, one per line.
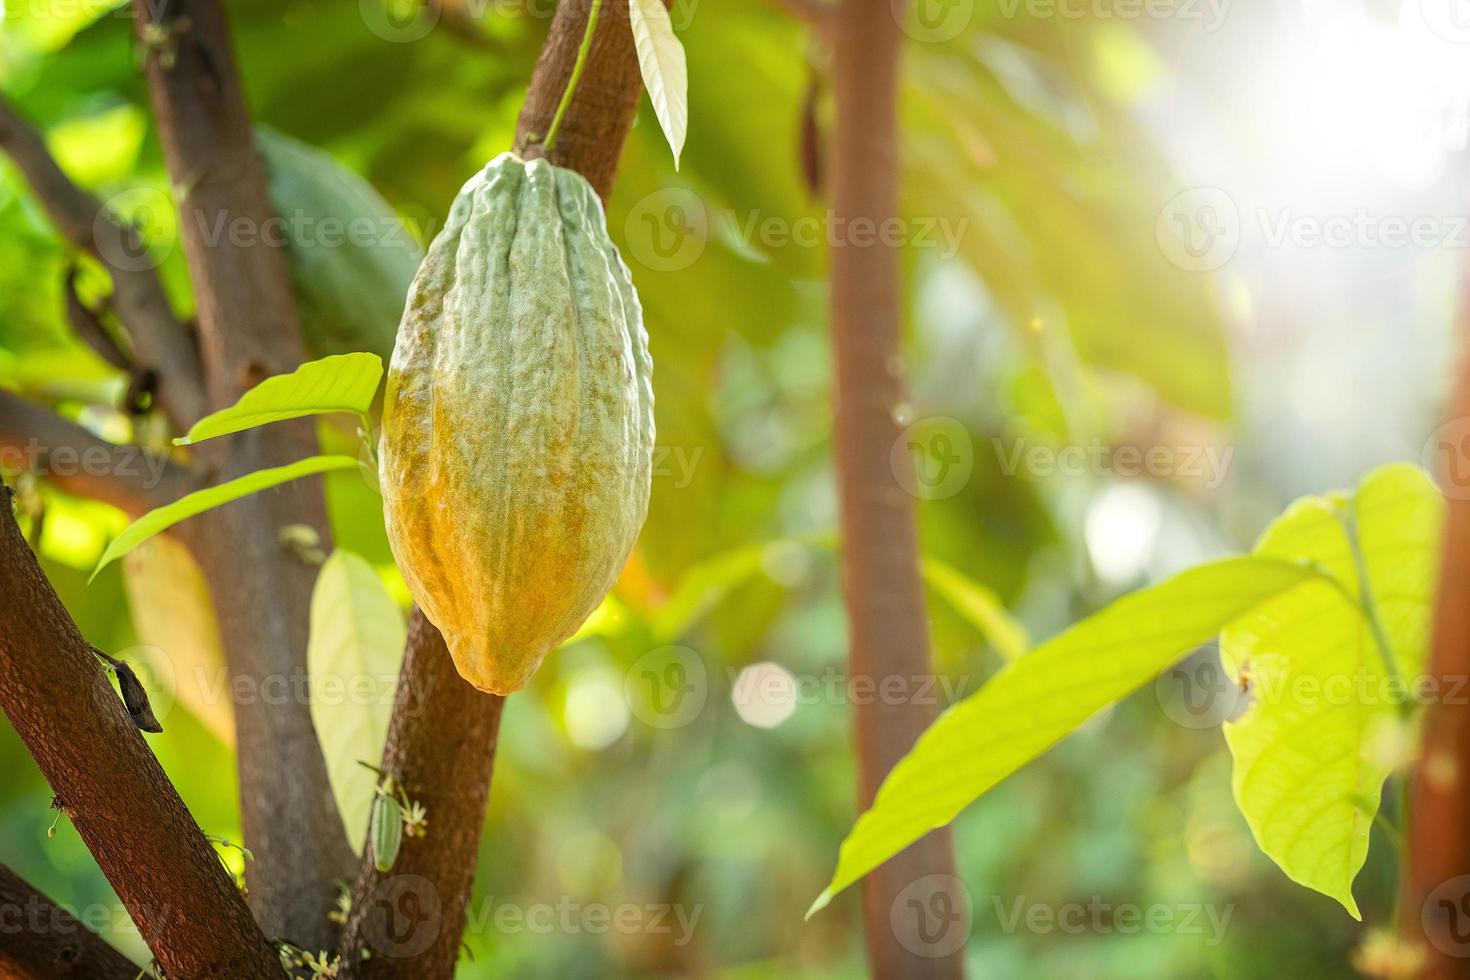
161 341
68 456
73 723
441 745
1438 846
888 628
443 732
43 941
262 590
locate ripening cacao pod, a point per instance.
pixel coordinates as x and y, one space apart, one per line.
351 257
517 440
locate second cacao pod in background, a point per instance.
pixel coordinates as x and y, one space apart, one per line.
351 257
517 444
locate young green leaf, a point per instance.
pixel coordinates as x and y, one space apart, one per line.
661 60
353 656
165 517
1308 773
980 606
340 383
1039 698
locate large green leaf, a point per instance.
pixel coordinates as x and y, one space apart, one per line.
1038 699
340 383
162 518
1306 774
353 658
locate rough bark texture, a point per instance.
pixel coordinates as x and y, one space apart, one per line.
590 139
249 330
40 940
407 922
884 594
1436 897
160 341
65 710
443 731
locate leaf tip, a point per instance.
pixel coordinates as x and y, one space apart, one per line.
822 901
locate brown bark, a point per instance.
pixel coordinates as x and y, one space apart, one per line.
883 591
443 732
40 940
70 457
249 330
1435 905
161 342
590 139
73 723
407 922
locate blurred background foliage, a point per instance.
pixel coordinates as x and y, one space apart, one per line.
1049 145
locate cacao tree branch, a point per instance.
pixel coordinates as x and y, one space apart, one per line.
127 477
442 727
162 343
887 623
1434 893
40 940
129 815
441 744
262 590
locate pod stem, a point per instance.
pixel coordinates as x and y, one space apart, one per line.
566 97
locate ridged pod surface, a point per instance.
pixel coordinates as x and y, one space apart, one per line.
517 443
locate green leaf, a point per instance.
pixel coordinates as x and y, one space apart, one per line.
1035 701
980 606
1308 769
661 60
340 383
353 657
165 517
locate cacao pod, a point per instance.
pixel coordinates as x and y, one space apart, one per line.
350 256
517 442
386 831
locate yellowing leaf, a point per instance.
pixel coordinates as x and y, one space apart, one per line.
1306 776
661 60
340 383
1038 699
353 657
